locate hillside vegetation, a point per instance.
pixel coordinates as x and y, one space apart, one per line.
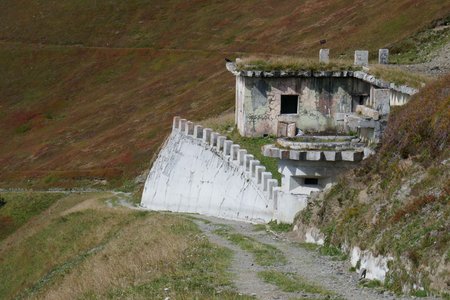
88 89
398 203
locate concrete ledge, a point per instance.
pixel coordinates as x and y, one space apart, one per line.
234 151
241 154
182 125
265 179
367 112
176 123
247 159
252 166
213 141
189 128
220 141
259 170
227 147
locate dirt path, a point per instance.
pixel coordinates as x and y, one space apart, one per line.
316 269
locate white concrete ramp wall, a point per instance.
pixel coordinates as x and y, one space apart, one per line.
200 171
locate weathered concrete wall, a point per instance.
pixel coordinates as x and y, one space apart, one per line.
200 171
322 101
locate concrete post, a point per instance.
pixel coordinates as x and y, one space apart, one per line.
259 170
198 131
271 184
220 140
361 58
176 123
241 154
182 125
189 129
253 163
213 141
265 179
247 159
324 56
227 147
207 135
234 151
383 56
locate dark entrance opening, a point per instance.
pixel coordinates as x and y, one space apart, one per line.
289 104
311 181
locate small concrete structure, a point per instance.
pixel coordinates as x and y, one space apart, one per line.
324 56
361 58
383 56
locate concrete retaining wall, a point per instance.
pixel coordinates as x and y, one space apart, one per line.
200 171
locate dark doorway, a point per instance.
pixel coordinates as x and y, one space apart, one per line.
311 181
289 104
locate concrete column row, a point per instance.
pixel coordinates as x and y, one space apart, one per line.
232 152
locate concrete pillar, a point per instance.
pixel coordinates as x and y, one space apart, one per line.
227 147
189 128
213 141
361 58
259 170
198 131
234 151
265 180
207 135
247 159
241 154
324 56
383 56
271 184
253 163
182 125
176 123
220 140
381 101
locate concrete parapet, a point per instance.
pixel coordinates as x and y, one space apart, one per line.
265 178
189 128
294 155
198 131
241 154
271 184
234 151
332 155
220 140
259 170
207 135
227 147
176 123
247 159
252 166
213 141
182 125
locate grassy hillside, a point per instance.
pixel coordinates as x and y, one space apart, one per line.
84 247
88 88
398 203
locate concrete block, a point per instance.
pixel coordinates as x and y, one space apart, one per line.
271 184
176 123
291 129
383 56
381 101
207 135
259 170
247 159
271 151
352 155
213 141
313 155
253 164
332 155
198 131
294 155
275 196
361 58
220 140
367 112
189 128
227 147
324 56
182 125
234 151
284 154
241 154
265 178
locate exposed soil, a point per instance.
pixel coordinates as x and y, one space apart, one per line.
317 269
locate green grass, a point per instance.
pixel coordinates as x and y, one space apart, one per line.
292 283
399 76
279 227
20 207
308 246
264 255
334 252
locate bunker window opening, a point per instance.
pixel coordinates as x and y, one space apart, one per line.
289 104
311 181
